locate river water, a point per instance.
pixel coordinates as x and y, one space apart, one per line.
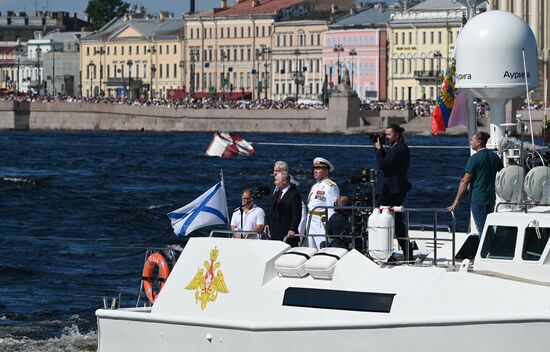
78 210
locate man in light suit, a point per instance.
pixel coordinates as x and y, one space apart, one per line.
285 210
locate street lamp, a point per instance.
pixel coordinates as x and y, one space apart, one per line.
181 66
223 58
338 48
297 74
152 50
265 52
18 52
352 54
101 52
92 65
437 55
192 60
129 90
38 52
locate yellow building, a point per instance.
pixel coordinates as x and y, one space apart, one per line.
421 42
298 59
134 57
228 49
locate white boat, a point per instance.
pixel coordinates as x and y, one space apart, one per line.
254 295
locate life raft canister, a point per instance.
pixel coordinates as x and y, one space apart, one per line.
155 259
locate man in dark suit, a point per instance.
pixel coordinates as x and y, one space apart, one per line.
285 210
393 184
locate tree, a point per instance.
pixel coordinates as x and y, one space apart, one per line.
102 11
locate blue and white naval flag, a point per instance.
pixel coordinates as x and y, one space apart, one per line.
209 209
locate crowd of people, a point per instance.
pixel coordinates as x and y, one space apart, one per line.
187 103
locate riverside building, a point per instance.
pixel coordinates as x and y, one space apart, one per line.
297 59
229 49
359 42
137 56
421 42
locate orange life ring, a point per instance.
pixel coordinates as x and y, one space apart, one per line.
155 259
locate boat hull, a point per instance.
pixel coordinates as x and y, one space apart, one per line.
123 334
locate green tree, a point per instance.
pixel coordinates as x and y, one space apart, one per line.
102 11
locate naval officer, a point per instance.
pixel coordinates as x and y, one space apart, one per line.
323 193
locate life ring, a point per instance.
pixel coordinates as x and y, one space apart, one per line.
155 259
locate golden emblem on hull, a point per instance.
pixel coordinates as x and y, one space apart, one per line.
208 281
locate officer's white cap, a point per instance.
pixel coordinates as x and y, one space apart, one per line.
322 162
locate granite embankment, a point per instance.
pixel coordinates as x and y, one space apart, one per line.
344 117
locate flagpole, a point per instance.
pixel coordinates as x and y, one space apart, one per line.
221 175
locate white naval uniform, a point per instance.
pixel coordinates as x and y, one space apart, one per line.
322 193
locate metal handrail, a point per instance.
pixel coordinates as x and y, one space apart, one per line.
407 211
232 232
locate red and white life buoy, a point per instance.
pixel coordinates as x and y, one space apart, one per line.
154 260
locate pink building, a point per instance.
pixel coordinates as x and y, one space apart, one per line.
359 42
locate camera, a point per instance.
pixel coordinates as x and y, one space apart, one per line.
364 176
380 137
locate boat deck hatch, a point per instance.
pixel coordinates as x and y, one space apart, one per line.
336 299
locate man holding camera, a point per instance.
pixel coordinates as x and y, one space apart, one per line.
392 184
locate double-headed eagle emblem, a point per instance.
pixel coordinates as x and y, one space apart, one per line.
208 285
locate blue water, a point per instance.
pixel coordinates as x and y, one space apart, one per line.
78 210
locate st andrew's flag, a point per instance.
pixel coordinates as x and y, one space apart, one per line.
209 209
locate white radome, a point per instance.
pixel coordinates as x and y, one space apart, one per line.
489 61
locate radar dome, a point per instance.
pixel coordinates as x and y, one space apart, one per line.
536 181
508 179
489 60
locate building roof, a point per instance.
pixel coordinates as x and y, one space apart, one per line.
64 36
369 17
438 5
148 28
244 7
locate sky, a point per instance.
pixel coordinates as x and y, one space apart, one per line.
175 6
78 6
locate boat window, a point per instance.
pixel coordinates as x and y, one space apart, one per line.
500 242
534 243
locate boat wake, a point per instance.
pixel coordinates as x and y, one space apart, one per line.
18 180
71 339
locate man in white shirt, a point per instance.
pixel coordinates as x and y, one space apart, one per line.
253 217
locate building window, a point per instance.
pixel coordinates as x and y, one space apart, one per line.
263 31
234 32
450 36
221 32
191 34
130 50
175 71
257 31
242 32
431 37
115 49
160 49
278 40
439 37
227 30
137 71
290 39
423 37
160 71
396 38
410 38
